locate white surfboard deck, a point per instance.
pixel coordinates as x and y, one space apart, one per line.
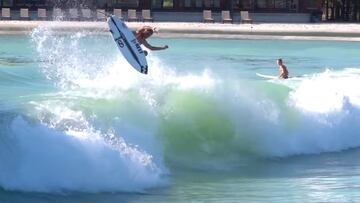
127 44
267 76
273 77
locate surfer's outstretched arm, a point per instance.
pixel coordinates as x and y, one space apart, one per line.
149 46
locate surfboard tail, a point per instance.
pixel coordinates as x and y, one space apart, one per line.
144 69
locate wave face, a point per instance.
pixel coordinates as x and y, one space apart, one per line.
101 126
315 114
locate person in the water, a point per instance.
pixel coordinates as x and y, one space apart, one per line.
145 32
283 72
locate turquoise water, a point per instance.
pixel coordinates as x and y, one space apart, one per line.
78 124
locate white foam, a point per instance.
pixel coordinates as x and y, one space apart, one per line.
321 115
327 91
66 154
70 66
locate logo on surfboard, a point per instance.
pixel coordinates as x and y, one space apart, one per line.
137 45
120 42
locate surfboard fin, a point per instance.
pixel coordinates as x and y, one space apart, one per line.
144 69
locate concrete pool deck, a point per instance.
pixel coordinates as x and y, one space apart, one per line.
320 31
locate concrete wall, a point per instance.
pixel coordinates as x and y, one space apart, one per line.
257 17
198 17
281 17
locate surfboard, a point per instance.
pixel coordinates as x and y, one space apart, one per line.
127 44
267 76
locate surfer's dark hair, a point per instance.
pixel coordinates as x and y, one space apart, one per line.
280 60
151 31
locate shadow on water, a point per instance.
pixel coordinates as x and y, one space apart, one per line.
14 61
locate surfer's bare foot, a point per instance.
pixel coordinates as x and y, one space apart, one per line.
146 53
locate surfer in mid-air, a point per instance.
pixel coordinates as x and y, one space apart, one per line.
283 72
145 32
